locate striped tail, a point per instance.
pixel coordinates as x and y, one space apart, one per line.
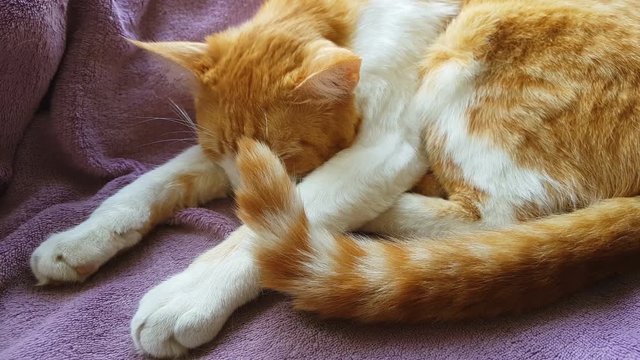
468 276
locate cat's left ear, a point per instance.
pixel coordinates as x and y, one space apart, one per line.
192 56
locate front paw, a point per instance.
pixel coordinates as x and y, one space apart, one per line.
190 308
75 254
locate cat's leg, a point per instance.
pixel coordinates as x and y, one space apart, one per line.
121 220
418 215
361 182
189 309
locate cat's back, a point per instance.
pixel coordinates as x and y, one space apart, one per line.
555 86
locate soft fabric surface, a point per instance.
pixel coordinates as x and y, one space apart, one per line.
75 101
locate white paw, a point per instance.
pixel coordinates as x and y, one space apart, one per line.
190 308
75 254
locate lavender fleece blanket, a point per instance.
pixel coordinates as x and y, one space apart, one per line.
76 104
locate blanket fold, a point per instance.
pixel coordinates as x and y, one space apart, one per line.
32 35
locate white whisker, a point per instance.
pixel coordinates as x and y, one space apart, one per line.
266 122
166 141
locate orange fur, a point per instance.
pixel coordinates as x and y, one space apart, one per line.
429 186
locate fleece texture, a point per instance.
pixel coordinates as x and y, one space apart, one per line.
80 117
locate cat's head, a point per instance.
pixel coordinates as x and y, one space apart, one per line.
293 93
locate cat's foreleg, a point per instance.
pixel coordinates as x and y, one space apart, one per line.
361 182
190 308
120 221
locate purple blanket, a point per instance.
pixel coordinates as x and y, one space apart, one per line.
77 109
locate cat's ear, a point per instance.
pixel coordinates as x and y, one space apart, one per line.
192 56
333 79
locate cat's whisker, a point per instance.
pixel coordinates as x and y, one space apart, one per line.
191 140
190 132
172 120
184 116
153 118
186 119
181 113
298 102
266 122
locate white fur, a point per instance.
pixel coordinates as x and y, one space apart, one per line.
375 264
392 38
117 223
324 248
190 308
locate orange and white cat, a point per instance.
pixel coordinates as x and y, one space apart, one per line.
520 110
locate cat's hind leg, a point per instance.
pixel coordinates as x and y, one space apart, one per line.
120 221
415 215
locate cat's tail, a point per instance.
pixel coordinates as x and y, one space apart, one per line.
478 275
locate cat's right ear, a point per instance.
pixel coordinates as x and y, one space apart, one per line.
192 56
334 77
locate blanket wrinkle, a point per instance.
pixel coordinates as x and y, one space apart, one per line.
33 38
101 126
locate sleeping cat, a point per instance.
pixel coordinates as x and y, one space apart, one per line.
520 109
